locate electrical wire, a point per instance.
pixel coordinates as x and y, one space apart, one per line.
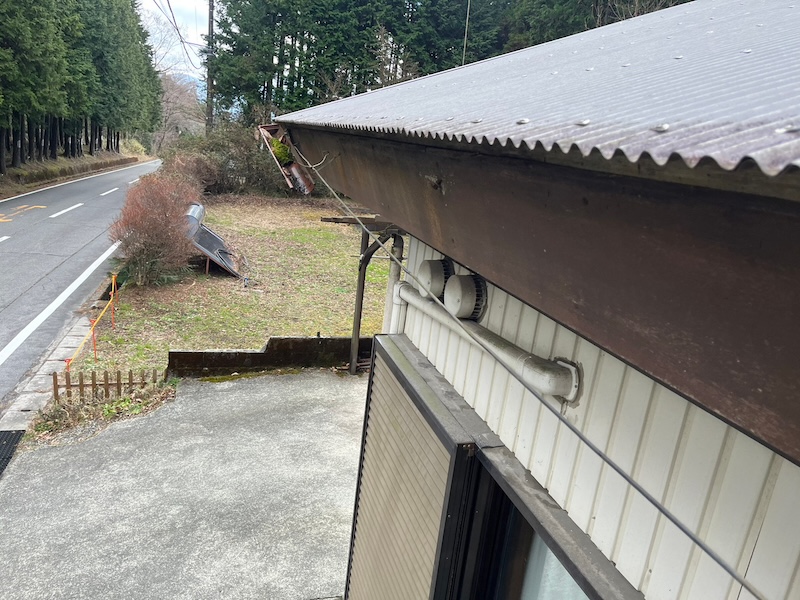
466 30
173 22
671 517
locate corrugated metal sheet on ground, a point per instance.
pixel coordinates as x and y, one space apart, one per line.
710 79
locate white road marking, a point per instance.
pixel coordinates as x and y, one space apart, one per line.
108 192
42 316
66 210
134 181
77 180
4 238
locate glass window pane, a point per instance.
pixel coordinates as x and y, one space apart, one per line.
546 578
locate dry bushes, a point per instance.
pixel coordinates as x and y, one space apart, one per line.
230 160
152 229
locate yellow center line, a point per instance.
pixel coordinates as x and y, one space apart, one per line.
21 209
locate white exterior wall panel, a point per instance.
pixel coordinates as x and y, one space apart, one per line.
737 495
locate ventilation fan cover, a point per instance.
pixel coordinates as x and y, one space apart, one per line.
465 296
433 275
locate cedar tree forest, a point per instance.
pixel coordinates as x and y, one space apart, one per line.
73 73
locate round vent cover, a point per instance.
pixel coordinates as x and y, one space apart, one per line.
465 296
433 275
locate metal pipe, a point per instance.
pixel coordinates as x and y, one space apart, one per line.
394 277
398 311
363 263
551 377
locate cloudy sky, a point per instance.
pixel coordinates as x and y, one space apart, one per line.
192 19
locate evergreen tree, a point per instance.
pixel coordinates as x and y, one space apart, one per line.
64 62
531 22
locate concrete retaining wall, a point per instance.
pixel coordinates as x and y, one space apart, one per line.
278 352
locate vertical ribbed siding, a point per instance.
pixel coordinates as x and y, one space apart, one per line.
737 495
400 498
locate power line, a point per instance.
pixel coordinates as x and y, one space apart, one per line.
466 31
173 22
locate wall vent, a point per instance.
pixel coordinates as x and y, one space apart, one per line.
433 275
465 296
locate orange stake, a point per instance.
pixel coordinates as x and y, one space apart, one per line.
67 360
113 299
94 338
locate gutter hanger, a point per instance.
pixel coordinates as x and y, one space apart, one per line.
548 377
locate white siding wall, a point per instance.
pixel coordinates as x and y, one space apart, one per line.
741 498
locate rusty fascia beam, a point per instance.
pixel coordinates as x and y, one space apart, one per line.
697 288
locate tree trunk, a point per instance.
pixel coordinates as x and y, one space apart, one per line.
46 137
53 138
39 143
16 142
3 142
31 140
116 142
23 152
71 147
108 138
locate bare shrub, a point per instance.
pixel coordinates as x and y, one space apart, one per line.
196 166
152 229
231 160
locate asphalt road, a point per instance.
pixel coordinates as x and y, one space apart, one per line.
49 240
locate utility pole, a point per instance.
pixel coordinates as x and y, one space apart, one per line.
209 77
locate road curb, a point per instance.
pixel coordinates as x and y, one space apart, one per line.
33 394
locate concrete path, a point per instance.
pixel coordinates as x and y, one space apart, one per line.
242 489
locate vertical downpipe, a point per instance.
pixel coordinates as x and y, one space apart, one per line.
363 262
394 277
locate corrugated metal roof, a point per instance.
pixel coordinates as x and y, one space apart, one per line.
713 78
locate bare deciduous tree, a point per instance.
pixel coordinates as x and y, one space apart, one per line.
164 41
180 111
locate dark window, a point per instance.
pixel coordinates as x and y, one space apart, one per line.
504 558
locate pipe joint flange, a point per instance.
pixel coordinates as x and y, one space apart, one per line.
575 385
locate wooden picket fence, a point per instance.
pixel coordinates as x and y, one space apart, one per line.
110 384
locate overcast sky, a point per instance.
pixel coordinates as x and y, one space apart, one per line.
192 19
